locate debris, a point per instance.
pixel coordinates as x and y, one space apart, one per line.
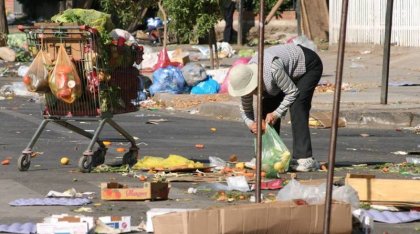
50 202
148 191
400 153
105 168
199 146
83 209
122 224
364 135
156 121
213 130
392 217
72 224
5 162
233 158
413 160
192 190
172 163
22 228
120 150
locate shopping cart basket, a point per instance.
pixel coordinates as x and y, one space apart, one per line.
109 82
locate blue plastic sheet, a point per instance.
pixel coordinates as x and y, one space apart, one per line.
208 86
168 80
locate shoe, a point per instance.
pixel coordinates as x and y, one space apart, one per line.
305 165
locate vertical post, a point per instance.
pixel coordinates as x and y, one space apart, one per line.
336 111
298 18
259 102
387 50
240 21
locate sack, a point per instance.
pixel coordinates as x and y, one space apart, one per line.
194 73
208 86
36 78
275 155
64 82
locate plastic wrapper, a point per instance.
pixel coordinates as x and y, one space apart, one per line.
64 82
275 155
36 78
194 73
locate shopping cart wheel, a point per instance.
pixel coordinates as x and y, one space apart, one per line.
24 162
130 157
85 164
98 157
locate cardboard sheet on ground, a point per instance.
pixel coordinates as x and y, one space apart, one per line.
324 120
392 217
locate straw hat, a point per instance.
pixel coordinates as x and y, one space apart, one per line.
243 79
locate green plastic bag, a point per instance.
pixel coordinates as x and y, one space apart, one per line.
275 155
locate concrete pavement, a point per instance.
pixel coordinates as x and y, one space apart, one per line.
361 93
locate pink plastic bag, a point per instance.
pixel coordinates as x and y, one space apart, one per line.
224 87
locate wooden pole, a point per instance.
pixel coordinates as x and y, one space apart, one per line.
335 115
259 103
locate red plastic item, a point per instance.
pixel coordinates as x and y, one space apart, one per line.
164 61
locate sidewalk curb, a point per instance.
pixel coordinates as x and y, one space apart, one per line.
355 118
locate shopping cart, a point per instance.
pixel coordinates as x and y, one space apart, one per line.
110 86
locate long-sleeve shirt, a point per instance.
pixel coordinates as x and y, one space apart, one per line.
278 64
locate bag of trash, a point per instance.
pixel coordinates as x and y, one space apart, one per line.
208 86
275 155
36 78
64 82
168 80
194 73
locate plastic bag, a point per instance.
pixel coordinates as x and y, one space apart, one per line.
208 86
64 82
164 61
36 78
275 155
168 80
315 194
194 73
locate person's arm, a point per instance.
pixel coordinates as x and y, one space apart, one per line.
247 110
285 83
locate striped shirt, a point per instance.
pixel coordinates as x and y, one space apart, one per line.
283 64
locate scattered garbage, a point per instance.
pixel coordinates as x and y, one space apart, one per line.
69 223
22 70
146 191
7 54
389 216
413 160
172 162
70 193
168 80
208 86
16 89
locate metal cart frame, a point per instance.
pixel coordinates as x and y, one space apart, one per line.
38 37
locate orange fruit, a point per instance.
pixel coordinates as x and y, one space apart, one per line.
120 150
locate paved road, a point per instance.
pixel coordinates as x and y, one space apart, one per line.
19 119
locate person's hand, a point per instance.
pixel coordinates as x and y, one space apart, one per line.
254 129
271 118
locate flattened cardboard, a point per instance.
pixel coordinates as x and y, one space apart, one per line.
276 217
381 191
120 223
149 191
324 120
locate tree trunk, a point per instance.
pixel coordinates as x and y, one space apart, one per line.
137 20
165 24
4 28
87 4
214 41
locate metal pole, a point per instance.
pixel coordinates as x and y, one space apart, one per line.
336 111
387 50
259 102
240 22
298 18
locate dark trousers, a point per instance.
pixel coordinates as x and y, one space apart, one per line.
299 110
228 16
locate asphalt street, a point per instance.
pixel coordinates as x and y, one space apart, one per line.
20 117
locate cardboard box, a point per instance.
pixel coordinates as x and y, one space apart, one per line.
149 191
276 217
159 211
120 223
65 224
383 191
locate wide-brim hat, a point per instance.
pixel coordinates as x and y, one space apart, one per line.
242 79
